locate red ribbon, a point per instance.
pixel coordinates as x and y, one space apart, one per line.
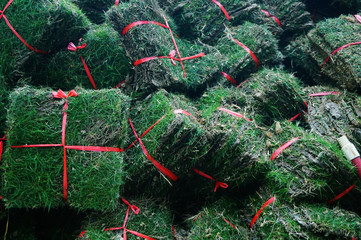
160 167
73 48
133 24
229 78
175 45
173 230
283 147
271 16
230 223
16 33
249 51
358 17
338 49
241 84
218 183
294 117
323 94
235 114
181 111
61 95
269 201
222 8
298 114
143 60
341 194
2 145
116 2
135 209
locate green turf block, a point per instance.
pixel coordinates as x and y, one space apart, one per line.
33 177
104 55
94 9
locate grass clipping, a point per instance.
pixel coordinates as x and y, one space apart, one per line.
33 176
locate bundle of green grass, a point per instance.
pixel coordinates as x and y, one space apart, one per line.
104 55
219 220
177 142
281 220
33 176
45 25
309 169
238 62
206 21
292 14
311 55
238 149
3 103
153 220
94 9
150 40
334 115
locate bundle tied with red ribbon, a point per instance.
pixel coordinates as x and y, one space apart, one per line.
65 147
133 219
323 57
151 39
309 220
96 61
166 141
30 30
305 166
333 112
219 219
244 51
206 20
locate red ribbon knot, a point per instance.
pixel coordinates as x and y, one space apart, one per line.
134 208
73 48
218 183
61 94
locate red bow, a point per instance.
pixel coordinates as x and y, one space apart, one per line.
73 48
61 94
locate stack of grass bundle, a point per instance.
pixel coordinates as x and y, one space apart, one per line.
211 222
154 220
281 220
309 53
238 151
177 142
45 25
33 176
334 115
292 14
150 40
274 95
310 169
94 9
204 20
104 55
238 62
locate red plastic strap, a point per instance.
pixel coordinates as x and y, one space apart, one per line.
338 49
269 201
234 113
18 35
358 17
147 59
294 117
134 208
230 223
323 94
95 148
120 84
146 131
357 163
171 56
88 73
175 45
181 111
241 84
82 233
161 168
341 194
192 57
223 9
274 18
283 147
198 217
139 234
2 145
116 2
249 51
218 183
37 145
173 230
229 78
73 48
133 24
